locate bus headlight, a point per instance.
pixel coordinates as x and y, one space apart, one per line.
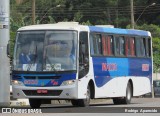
16 82
68 82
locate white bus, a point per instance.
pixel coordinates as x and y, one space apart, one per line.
68 61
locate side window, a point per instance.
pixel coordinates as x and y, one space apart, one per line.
130 46
141 47
104 43
108 47
117 46
120 45
145 46
111 45
96 44
149 47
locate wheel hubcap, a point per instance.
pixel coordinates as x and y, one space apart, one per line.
129 94
88 96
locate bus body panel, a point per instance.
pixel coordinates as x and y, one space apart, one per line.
84 82
43 80
141 85
114 88
117 87
112 75
82 87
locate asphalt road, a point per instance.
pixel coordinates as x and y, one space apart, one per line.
138 105
107 106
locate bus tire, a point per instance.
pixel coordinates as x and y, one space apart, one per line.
128 97
116 101
74 102
35 103
83 102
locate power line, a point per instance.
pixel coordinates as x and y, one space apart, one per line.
122 11
88 10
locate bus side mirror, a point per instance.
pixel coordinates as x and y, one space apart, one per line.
8 50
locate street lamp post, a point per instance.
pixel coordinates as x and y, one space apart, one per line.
58 6
144 10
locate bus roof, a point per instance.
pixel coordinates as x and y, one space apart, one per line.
58 26
119 31
76 26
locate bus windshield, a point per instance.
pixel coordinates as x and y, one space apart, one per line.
45 51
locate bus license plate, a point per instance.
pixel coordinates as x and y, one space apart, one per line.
44 91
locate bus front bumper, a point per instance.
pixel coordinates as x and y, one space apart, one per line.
60 92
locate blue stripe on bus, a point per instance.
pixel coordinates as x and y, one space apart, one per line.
122 63
119 67
137 32
44 82
118 31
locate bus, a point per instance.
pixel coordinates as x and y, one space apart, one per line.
69 61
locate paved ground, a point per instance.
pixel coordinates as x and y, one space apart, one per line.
106 106
136 102
138 105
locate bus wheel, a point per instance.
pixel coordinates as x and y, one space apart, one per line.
35 103
74 102
116 101
127 98
85 102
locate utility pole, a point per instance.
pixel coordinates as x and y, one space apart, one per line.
4 60
33 11
132 14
